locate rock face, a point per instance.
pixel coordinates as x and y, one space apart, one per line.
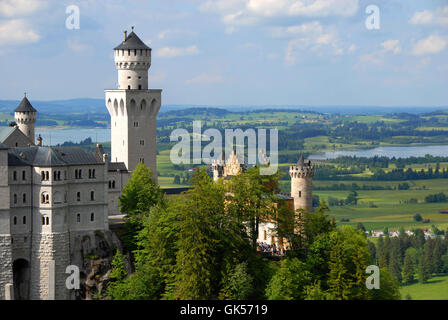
93 253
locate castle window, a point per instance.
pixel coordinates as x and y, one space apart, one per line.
135 52
93 174
78 196
59 175
92 217
90 173
24 219
45 198
43 220
76 174
78 218
139 87
129 87
23 175
14 175
24 198
92 195
47 175
129 52
129 77
80 174
142 142
142 160
42 173
47 220
113 184
15 198
135 123
300 194
15 220
110 184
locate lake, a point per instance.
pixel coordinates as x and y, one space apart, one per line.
53 137
397 152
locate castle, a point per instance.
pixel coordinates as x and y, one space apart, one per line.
55 202
54 199
300 197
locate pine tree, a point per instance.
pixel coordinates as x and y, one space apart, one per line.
408 269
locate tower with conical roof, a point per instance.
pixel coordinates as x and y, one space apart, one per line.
133 107
25 117
302 184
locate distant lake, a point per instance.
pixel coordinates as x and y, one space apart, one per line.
397 152
59 136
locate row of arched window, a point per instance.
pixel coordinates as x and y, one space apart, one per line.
45 175
15 198
78 217
23 220
45 197
15 175
112 184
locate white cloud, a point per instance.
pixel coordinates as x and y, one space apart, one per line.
392 46
15 8
171 52
427 17
77 46
174 34
205 78
430 45
250 12
16 32
308 37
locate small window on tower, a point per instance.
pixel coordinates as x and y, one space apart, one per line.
129 87
300 194
139 87
129 77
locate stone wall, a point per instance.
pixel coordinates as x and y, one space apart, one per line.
6 275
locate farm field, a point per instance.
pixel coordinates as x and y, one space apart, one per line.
435 289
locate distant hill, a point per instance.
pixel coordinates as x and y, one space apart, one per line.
98 106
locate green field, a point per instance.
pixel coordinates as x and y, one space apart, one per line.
435 289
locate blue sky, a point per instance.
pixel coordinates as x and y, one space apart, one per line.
233 52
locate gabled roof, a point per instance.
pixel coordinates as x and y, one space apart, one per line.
5 132
132 42
25 106
117 166
50 156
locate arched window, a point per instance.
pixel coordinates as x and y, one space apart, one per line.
42 175
43 220
78 218
47 220
47 198
300 194
76 173
92 217
93 173
47 175
59 175
23 175
14 175
24 220
90 173
78 196
15 198
24 198
92 195
110 184
113 184
80 174
15 220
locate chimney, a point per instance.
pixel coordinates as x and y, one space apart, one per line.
39 141
125 34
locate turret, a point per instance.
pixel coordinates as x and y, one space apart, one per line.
25 117
132 60
302 184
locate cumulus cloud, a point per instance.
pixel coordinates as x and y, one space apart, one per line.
430 45
391 46
16 8
17 32
205 78
250 12
171 52
438 16
77 46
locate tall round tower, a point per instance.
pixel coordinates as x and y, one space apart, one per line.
132 60
302 184
25 117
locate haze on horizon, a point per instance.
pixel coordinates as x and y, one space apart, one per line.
233 52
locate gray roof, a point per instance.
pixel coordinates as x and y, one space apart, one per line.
117 166
5 132
132 42
301 161
50 156
25 106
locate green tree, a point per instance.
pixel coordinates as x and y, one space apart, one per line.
408 269
290 281
389 287
239 285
